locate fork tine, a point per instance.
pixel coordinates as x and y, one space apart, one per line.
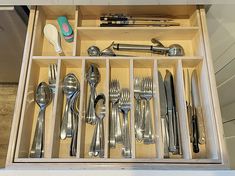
49 73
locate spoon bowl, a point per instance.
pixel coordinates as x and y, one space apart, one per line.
43 95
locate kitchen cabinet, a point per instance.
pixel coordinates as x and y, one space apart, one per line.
38 54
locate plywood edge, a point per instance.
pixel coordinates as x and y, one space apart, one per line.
20 92
218 118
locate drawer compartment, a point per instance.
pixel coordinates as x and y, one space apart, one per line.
126 69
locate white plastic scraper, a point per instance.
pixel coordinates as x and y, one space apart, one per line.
52 35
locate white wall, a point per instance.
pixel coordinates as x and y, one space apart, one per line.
221 26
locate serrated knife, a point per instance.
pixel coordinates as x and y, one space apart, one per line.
164 117
197 107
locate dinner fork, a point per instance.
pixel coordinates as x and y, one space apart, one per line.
125 107
115 128
52 74
138 110
147 94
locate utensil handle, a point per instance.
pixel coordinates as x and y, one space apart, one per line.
201 127
126 151
138 121
37 147
148 131
172 147
93 142
189 113
100 144
118 130
165 136
131 47
179 134
73 146
195 134
112 141
63 129
176 130
90 117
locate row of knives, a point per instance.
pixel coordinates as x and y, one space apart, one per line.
169 116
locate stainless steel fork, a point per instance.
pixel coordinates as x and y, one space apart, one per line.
125 107
138 110
115 128
52 74
147 94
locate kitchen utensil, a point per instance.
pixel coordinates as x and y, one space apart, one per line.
123 20
197 108
174 138
97 143
70 86
125 107
65 28
139 124
172 50
115 126
164 116
51 34
175 50
52 74
75 116
43 99
93 51
93 78
188 96
147 94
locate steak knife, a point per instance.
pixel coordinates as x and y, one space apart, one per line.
164 117
197 105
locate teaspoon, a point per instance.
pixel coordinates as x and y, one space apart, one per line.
93 78
70 86
43 98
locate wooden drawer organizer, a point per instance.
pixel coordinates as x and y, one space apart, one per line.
192 35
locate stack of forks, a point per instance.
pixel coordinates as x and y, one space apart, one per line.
143 93
120 102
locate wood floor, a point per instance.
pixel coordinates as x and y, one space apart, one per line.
7 103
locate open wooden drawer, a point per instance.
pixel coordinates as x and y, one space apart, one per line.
38 54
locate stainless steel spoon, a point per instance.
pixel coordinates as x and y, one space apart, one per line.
97 143
70 86
43 98
93 78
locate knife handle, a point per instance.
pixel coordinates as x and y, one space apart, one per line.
201 127
189 113
172 147
195 133
165 136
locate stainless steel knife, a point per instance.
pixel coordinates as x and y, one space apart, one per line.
197 105
164 117
172 122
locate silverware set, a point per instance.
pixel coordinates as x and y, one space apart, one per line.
169 116
120 104
194 110
143 93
